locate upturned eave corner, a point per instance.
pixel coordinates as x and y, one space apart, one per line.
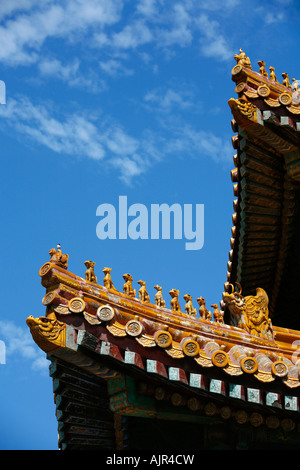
77 306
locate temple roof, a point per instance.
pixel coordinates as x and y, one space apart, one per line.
117 352
264 243
160 363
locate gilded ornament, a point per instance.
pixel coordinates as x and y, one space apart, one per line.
246 108
62 309
203 312
285 99
127 286
107 281
251 94
134 328
159 301
76 305
249 365
286 80
242 60
240 87
263 376
89 273
233 369
295 85
91 319
143 294
48 333
163 338
220 358
44 269
262 69
263 91
280 368
250 313
203 360
272 74
272 103
58 258
48 298
175 306
175 352
217 315
146 341
116 329
294 109
105 313
190 347
189 309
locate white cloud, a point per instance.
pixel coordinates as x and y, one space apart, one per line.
147 8
71 74
108 142
213 43
180 32
115 67
274 17
200 144
53 67
165 100
132 36
77 135
19 343
22 37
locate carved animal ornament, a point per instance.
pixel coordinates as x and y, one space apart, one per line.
250 313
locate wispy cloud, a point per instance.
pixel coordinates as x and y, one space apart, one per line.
212 41
23 36
170 98
19 344
28 25
78 136
106 141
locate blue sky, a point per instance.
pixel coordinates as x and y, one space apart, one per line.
106 98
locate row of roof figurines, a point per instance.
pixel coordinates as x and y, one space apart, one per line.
244 61
60 259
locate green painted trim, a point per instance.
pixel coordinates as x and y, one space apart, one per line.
125 400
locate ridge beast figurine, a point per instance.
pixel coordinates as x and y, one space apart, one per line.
250 313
